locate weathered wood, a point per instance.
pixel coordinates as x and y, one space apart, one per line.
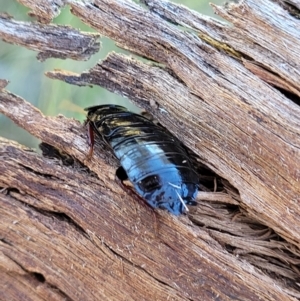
241 127
51 41
44 10
80 236
262 31
231 246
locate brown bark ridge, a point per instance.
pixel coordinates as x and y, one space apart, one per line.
69 231
44 10
51 41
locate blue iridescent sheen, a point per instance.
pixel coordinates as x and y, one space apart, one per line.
156 163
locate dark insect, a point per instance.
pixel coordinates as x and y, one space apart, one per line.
154 161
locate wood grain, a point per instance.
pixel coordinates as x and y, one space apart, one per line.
44 10
243 129
50 41
69 231
79 236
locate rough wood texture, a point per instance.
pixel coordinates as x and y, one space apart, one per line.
262 31
73 233
44 10
241 127
49 40
80 241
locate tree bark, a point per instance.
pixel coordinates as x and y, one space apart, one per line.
51 41
44 10
70 231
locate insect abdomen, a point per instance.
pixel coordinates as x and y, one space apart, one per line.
155 161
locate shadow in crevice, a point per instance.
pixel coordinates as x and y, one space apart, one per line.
291 96
242 235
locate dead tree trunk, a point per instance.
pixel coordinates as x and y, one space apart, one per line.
229 92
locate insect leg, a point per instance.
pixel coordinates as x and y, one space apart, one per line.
91 140
122 176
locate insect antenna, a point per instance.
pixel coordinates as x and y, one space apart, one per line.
181 200
173 185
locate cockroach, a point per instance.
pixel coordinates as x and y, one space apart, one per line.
151 158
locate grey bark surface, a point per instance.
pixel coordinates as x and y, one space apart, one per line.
71 232
44 10
51 41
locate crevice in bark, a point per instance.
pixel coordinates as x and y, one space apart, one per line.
44 175
38 276
293 10
6 241
59 216
240 241
252 241
35 279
